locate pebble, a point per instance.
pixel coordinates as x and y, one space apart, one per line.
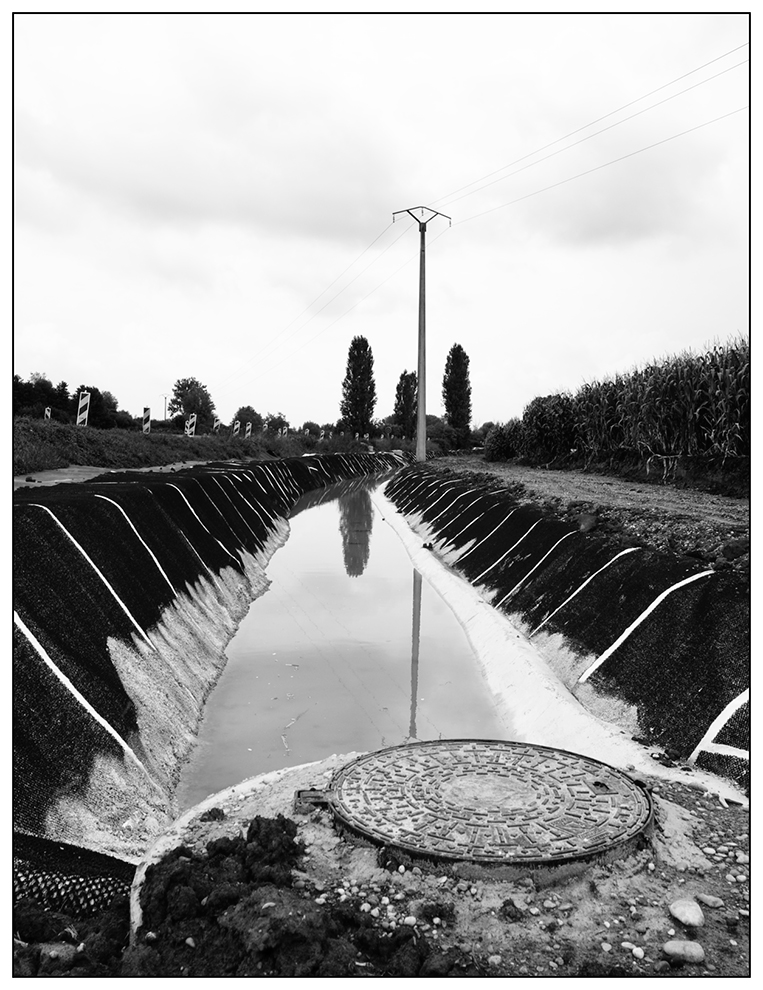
710 900
401 869
709 851
638 952
566 906
189 941
661 966
320 900
494 960
375 912
549 904
690 952
606 947
627 945
730 878
409 920
742 858
688 912
365 907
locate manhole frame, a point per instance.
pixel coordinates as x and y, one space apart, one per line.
603 850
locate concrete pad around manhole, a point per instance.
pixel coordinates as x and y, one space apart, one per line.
490 802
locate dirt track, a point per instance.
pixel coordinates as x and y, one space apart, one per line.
660 516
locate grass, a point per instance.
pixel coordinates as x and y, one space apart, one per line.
40 445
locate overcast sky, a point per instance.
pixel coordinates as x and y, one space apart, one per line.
189 187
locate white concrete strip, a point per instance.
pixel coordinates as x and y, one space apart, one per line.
718 722
480 542
583 585
255 508
43 654
182 495
724 750
116 597
531 700
469 491
235 509
503 556
532 570
440 537
635 624
148 548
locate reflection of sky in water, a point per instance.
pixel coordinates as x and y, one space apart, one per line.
325 661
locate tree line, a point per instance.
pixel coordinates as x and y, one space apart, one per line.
356 407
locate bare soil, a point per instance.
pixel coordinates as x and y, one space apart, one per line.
293 897
709 527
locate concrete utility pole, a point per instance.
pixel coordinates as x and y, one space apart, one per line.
422 215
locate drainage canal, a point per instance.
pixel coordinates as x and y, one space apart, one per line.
348 651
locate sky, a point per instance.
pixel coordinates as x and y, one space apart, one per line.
211 196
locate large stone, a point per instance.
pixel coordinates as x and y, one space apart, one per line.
688 912
710 900
683 951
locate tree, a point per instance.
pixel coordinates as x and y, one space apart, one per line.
101 408
406 399
246 414
356 520
275 422
457 392
190 396
312 428
358 388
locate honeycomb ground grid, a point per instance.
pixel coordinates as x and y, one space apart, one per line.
489 801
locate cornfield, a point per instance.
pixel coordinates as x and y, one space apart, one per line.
687 405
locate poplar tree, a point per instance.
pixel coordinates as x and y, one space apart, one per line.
457 392
406 397
358 388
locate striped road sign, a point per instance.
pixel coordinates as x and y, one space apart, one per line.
236 428
248 431
47 412
83 409
146 419
190 425
216 427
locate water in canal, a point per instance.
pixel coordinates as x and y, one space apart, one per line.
348 651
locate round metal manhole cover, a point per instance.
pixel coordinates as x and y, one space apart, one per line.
490 802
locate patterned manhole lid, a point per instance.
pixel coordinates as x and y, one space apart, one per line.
489 802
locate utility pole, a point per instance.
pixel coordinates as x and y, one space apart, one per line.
422 215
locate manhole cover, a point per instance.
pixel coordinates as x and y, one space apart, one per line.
489 802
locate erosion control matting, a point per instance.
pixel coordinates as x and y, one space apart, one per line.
489 802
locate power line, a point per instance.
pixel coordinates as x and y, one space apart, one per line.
596 168
596 133
475 216
307 308
592 122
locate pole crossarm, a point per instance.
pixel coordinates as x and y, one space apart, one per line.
419 219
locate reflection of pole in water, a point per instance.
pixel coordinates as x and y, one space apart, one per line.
415 650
